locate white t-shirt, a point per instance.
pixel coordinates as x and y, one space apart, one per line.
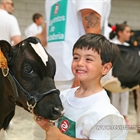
8 26
64 28
33 30
92 117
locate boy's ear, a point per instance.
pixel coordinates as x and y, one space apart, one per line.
106 68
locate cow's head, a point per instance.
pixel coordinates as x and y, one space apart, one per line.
30 76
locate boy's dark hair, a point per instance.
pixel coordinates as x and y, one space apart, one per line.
36 16
107 50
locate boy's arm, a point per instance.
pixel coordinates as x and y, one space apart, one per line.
53 133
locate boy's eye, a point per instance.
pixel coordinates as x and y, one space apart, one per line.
89 59
75 58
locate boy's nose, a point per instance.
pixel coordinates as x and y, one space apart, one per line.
80 62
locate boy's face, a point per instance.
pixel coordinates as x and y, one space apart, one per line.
39 21
87 65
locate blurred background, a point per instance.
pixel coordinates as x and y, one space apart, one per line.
121 10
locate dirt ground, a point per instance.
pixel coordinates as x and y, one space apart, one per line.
22 128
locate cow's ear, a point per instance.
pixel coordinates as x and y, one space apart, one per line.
6 49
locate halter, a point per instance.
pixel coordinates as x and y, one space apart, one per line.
37 97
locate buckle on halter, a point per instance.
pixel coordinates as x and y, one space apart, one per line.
5 71
31 107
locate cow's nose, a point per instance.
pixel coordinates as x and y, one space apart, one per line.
56 111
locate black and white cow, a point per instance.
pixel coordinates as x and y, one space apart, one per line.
27 81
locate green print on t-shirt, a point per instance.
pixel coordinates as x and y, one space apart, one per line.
57 24
67 126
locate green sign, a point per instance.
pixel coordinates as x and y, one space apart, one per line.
57 27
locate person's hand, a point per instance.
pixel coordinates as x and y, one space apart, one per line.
76 83
43 123
53 133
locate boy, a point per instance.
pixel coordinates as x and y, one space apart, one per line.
88 111
36 27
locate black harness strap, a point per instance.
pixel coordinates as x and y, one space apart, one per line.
37 97
13 84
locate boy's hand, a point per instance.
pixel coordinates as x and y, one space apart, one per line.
53 133
76 83
43 123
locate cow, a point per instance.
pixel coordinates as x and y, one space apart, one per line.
27 80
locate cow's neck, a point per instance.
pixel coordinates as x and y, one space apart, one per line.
7 103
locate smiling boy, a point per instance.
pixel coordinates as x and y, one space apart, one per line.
88 111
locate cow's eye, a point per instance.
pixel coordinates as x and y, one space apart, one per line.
28 69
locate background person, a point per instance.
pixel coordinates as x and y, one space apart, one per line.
36 27
121 100
9 28
65 26
9 6
9 31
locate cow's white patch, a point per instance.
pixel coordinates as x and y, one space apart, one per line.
40 51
